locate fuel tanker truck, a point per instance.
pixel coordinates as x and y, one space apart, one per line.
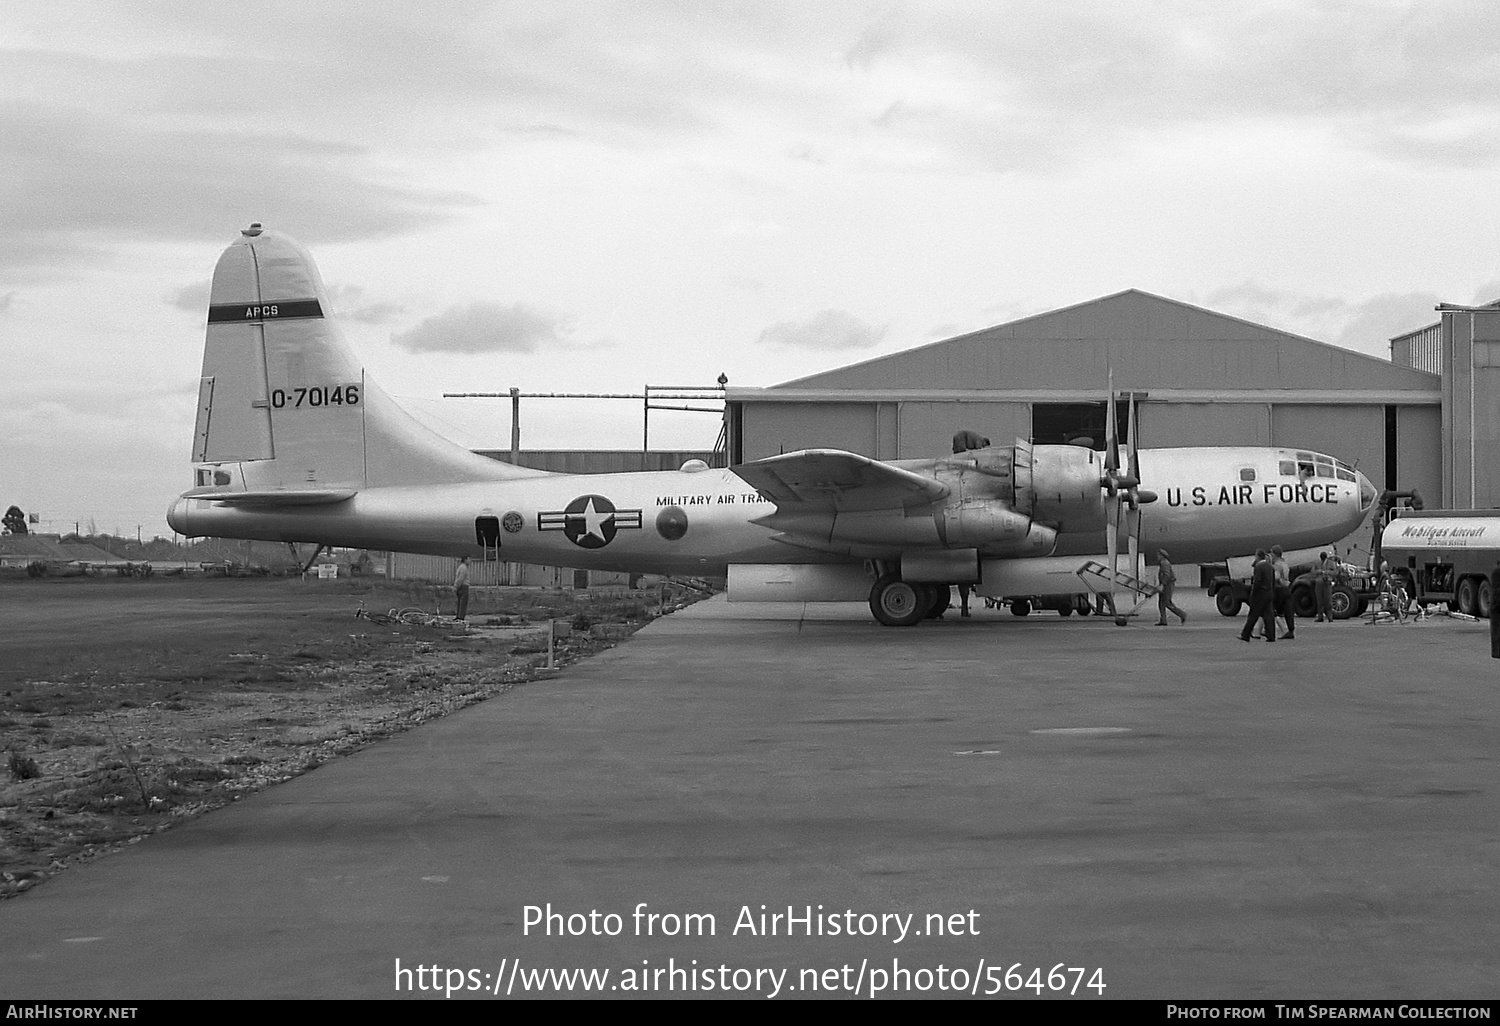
1445 555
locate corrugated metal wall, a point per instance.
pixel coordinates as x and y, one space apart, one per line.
1419 435
1354 434
927 428
1174 424
772 428
1421 349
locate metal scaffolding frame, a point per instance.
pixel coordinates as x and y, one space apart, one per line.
652 397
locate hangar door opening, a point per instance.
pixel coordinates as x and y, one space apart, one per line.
1076 423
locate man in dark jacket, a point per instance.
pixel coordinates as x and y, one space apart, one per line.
1262 597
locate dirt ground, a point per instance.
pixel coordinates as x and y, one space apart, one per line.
128 705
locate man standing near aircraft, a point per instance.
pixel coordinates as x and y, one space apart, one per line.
1327 572
1166 578
461 587
1262 597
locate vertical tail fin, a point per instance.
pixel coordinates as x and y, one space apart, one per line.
284 404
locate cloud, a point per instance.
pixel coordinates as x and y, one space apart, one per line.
193 298
77 186
829 330
1486 294
1372 323
486 328
1363 325
348 303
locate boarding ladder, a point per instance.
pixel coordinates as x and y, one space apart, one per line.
1097 579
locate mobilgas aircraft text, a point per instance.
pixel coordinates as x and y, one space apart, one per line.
1250 495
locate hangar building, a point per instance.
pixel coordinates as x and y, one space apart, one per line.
1203 378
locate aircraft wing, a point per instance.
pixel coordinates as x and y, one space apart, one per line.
831 479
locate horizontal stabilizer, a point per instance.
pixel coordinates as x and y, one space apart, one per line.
277 497
838 481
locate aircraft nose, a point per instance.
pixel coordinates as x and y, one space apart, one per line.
177 516
1367 492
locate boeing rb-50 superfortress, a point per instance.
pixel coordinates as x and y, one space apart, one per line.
294 443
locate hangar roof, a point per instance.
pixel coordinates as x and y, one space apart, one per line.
1149 342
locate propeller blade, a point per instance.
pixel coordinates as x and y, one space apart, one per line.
1111 435
1112 547
1133 525
1135 447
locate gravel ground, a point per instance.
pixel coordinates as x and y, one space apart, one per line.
127 706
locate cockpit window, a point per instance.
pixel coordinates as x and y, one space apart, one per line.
1288 468
1345 475
1247 473
1325 470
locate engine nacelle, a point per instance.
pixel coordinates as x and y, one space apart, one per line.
1064 488
995 529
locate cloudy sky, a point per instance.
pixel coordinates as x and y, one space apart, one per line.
593 196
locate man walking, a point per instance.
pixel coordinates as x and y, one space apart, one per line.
1166 578
1283 593
1262 597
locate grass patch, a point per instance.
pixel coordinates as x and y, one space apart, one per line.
23 767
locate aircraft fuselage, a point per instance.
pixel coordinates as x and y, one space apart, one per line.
1211 503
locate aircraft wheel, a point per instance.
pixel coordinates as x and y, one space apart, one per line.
1227 604
1486 600
1064 610
1468 597
896 603
1020 607
1342 602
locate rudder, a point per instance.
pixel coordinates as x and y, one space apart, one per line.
284 405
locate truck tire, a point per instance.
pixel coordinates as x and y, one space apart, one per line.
1304 602
1468 596
1343 602
1486 600
1227 602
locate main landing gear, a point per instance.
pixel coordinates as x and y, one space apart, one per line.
897 603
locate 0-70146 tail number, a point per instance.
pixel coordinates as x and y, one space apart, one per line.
316 395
